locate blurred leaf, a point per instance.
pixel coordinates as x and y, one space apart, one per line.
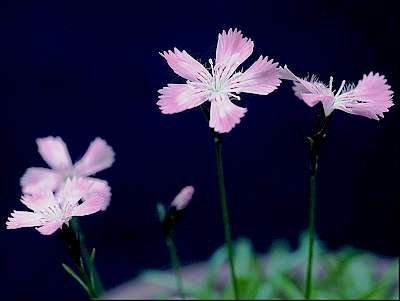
339 264
265 292
279 258
244 258
286 286
359 274
382 289
216 262
167 280
345 274
249 269
161 212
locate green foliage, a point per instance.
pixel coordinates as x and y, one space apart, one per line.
344 274
71 272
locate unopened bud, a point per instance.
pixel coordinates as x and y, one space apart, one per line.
176 210
183 198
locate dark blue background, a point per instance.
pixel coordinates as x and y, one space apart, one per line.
84 69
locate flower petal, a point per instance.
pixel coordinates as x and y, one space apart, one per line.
179 97
311 92
72 192
54 151
36 178
39 200
184 65
96 198
224 115
261 78
50 227
21 219
232 48
370 98
99 156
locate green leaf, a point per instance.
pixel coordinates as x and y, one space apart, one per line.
286 286
216 262
207 288
244 258
265 292
76 277
279 258
336 265
382 290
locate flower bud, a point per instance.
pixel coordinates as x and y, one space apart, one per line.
183 198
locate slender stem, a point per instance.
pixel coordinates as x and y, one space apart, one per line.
89 272
311 232
316 140
176 265
225 214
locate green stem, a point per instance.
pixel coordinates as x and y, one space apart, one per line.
316 140
311 232
225 215
89 271
176 265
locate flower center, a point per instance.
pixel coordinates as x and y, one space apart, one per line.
51 213
219 80
222 81
68 173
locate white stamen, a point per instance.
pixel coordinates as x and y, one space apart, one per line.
341 88
210 61
220 81
234 96
330 83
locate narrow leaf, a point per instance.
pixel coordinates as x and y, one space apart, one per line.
93 255
75 276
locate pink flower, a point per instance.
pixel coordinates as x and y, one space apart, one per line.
78 197
371 97
219 85
53 150
183 198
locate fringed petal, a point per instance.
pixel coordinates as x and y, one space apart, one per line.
22 219
370 98
37 178
261 78
50 227
98 157
54 151
184 65
310 91
179 97
96 198
224 115
232 48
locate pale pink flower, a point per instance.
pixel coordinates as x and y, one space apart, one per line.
221 84
53 150
183 198
78 197
371 97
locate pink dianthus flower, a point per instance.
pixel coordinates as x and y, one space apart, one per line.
221 84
